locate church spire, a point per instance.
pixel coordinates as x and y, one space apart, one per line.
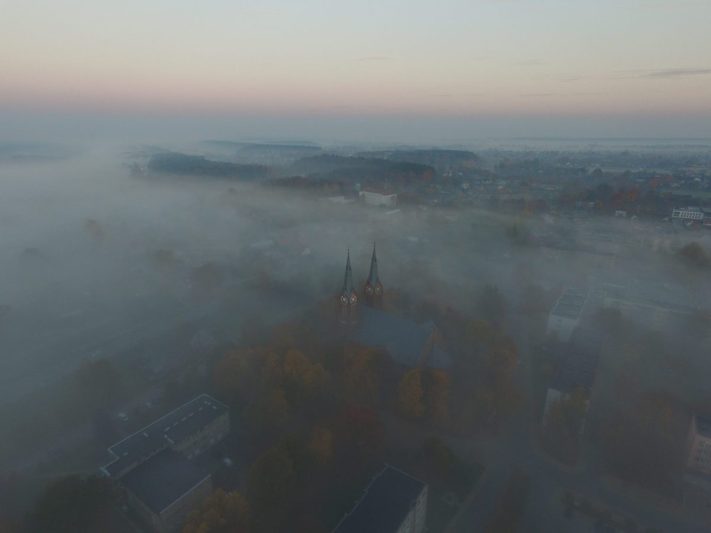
348 300
348 277
373 289
373 276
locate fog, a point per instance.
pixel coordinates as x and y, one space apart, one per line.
156 272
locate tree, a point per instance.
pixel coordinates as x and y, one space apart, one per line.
270 409
99 382
233 376
321 445
694 254
72 504
303 378
644 441
222 512
437 396
362 375
270 484
411 394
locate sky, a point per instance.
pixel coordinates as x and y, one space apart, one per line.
285 67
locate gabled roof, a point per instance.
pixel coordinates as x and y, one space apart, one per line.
408 343
385 504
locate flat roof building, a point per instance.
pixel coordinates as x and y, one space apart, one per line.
153 465
393 502
577 369
566 313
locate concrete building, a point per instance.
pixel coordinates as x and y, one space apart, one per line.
697 480
699 458
393 502
688 214
154 465
654 304
577 370
566 313
378 199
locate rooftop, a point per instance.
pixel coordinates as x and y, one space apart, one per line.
580 364
407 342
163 479
167 430
385 503
570 304
703 426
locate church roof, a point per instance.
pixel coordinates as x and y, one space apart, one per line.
407 342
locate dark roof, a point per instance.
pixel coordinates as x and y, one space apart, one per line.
703 426
163 479
578 368
570 304
405 341
170 428
385 503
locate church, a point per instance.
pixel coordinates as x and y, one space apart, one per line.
365 322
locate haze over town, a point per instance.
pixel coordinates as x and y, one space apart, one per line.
338 267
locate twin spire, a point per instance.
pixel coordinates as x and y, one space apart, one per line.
372 290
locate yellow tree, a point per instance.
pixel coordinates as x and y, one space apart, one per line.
411 394
438 397
362 375
222 512
321 445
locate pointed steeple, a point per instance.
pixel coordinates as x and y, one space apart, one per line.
348 300
373 276
373 288
348 277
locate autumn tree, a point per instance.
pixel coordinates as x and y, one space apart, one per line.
411 394
222 512
321 445
270 485
437 396
362 375
303 378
